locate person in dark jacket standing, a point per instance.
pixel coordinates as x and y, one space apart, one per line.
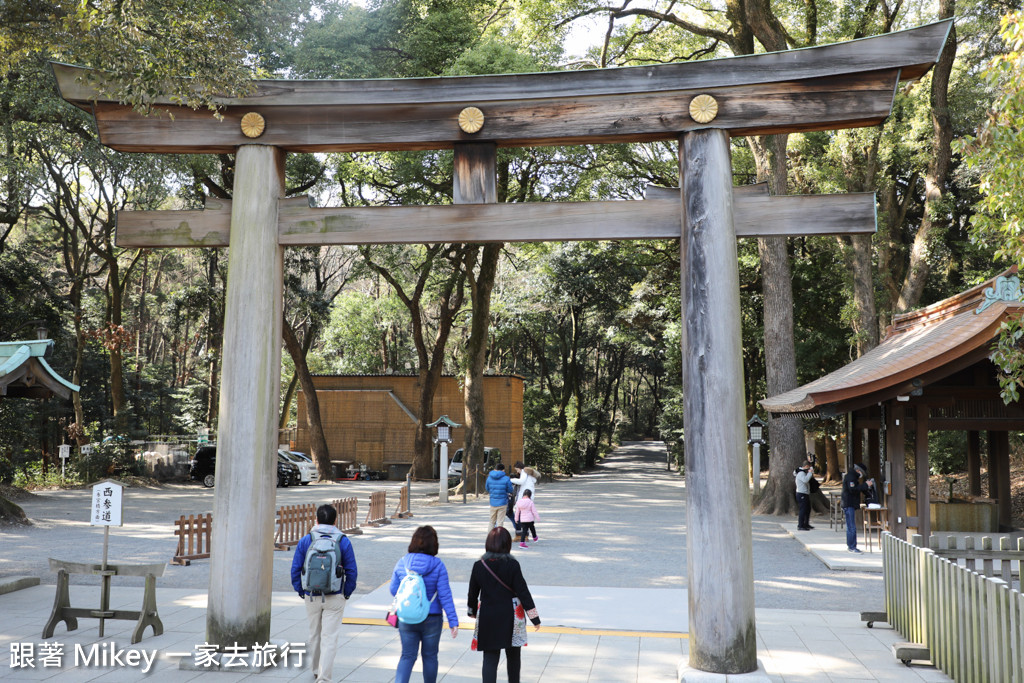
426 635
326 611
499 486
497 595
852 488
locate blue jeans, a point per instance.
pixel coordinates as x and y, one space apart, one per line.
427 632
850 515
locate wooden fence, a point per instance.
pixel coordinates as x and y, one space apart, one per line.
292 523
348 515
971 624
295 521
378 513
193 534
404 508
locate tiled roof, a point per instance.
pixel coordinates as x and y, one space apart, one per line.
917 343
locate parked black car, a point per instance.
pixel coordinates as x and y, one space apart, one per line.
204 464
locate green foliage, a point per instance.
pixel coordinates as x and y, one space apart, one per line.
111 457
7 471
947 452
188 51
670 424
997 156
31 476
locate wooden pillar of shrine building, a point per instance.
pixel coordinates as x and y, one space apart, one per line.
923 469
700 104
718 526
242 556
931 372
974 462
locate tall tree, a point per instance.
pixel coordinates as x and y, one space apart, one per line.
936 179
432 289
995 153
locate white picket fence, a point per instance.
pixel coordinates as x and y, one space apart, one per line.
971 623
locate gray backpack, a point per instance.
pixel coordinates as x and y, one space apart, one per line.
322 571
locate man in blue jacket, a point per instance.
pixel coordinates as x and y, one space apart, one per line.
324 610
500 487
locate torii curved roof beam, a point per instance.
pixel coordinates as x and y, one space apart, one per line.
820 88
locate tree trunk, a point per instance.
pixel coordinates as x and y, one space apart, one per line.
865 325
480 288
785 433
214 332
935 213
475 181
431 360
117 394
289 396
314 426
76 374
832 472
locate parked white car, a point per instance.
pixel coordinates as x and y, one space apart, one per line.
307 470
492 455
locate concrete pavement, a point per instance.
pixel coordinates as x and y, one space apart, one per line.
608 576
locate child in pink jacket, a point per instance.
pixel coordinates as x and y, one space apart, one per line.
526 515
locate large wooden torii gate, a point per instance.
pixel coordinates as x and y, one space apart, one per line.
700 104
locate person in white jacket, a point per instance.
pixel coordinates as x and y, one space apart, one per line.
525 479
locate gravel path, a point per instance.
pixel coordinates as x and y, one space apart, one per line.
622 524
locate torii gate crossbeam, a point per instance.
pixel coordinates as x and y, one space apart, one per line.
700 104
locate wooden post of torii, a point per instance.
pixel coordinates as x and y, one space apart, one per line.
700 104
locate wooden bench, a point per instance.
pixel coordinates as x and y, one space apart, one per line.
63 611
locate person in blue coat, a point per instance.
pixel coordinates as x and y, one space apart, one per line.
426 635
325 611
500 487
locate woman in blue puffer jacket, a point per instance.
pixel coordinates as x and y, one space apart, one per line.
426 635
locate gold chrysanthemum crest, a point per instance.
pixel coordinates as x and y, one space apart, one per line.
703 108
253 125
471 119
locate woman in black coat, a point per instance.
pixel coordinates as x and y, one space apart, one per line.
490 601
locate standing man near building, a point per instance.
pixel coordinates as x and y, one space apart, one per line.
324 575
499 486
852 488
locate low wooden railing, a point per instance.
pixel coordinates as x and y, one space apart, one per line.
971 624
378 513
292 522
404 508
193 534
1004 563
348 515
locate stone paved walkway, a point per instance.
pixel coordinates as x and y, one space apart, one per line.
609 576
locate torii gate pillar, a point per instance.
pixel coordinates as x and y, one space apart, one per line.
719 559
242 557
821 88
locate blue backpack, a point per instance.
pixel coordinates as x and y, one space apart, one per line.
411 603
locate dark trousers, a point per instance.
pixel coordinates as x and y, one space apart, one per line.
804 519
527 527
512 662
512 518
